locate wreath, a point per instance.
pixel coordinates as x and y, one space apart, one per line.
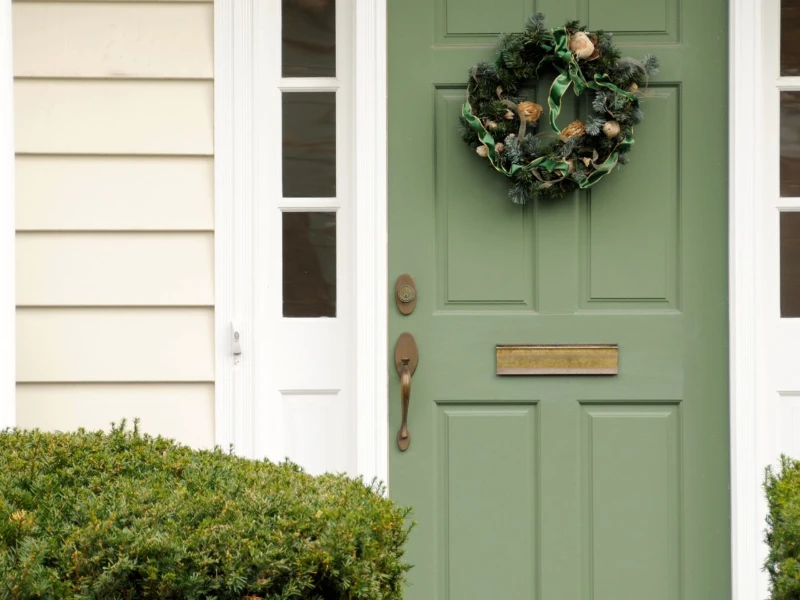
502 126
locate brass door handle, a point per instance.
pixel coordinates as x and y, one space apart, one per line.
406 358
403 437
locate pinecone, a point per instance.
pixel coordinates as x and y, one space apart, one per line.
574 129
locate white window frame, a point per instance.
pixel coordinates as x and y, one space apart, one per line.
236 238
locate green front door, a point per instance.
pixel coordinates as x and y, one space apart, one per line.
563 487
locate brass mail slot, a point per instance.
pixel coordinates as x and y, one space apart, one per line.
558 359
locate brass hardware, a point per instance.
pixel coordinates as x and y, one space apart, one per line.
405 294
406 358
558 359
403 437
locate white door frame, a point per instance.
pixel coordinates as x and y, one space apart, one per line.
236 40
745 174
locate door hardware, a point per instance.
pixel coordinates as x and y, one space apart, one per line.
405 294
406 358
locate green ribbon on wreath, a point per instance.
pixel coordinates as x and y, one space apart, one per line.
570 74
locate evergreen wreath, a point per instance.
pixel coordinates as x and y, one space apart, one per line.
501 126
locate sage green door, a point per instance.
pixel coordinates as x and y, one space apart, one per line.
563 487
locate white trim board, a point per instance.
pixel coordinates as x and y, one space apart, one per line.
7 229
372 237
747 512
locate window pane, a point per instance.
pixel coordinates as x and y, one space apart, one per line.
790 51
309 264
790 144
309 38
309 145
790 264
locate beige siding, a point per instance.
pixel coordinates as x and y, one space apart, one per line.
115 193
116 1
113 40
175 410
114 117
115 344
115 265
115 269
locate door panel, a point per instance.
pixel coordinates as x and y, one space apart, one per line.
563 487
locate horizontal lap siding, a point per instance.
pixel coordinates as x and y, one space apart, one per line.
113 40
115 193
67 406
115 269
114 117
115 243
115 344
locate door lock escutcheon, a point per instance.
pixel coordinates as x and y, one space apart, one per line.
405 294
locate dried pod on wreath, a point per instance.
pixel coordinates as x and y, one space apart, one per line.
530 111
611 129
581 45
574 129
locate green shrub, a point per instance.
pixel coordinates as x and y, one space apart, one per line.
122 515
783 532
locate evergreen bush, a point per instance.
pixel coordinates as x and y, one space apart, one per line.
89 515
783 532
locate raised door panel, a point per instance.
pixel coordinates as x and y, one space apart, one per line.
631 235
643 20
631 496
484 245
487 514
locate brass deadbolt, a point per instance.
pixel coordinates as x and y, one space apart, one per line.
405 294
